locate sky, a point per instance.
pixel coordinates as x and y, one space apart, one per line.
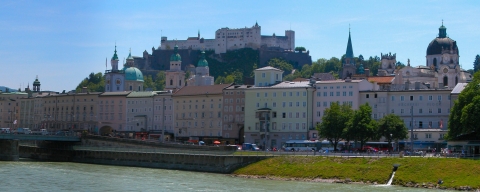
64 41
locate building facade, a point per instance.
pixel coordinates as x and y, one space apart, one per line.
129 78
198 113
234 113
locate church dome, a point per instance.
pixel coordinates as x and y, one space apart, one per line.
36 82
175 56
442 43
202 62
133 74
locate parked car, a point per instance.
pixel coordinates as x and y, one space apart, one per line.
23 131
250 147
5 130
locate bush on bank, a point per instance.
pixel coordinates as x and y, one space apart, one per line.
455 173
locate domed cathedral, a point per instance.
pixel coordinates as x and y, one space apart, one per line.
348 66
202 73
442 68
175 76
129 78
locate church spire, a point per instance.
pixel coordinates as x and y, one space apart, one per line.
349 53
115 57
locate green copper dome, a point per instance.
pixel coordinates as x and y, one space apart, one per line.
175 56
202 62
133 74
115 57
36 83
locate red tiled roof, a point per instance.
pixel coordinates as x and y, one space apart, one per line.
382 80
201 90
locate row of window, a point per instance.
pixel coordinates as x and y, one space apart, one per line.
231 100
200 124
203 106
285 126
332 87
402 111
420 98
327 103
429 136
284 94
201 115
337 94
284 104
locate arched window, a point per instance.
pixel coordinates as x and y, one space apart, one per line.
445 81
138 88
456 80
171 81
131 88
435 62
179 82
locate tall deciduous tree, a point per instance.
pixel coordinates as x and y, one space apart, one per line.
281 64
466 109
476 64
334 122
392 128
148 83
160 81
362 127
95 82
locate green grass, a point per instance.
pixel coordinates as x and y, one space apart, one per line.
454 172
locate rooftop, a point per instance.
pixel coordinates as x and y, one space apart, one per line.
141 94
459 88
201 90
381 80
268 68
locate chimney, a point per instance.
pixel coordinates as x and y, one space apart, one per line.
367 72
84 89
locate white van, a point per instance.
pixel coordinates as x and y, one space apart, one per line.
5 130
43 132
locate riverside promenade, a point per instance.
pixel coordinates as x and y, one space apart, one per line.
127 152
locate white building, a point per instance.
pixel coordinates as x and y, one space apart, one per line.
340 91
232 39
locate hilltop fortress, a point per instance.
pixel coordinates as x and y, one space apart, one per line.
226 40
232 39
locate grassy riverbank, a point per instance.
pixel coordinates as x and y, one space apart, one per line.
455 173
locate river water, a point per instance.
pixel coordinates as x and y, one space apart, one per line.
26 175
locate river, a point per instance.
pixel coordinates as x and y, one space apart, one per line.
26 175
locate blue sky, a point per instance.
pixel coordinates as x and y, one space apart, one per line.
63 41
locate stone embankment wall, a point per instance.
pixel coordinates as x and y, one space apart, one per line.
9 150
212 159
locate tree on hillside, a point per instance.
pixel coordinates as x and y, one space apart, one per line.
391 127
334 122
362 127
476 64
466 110
160 81
148 83
300 49
281 64
399 65
94 83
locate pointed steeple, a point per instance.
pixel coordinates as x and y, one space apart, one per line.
130 54
442 31
349 53
199 34
115 57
